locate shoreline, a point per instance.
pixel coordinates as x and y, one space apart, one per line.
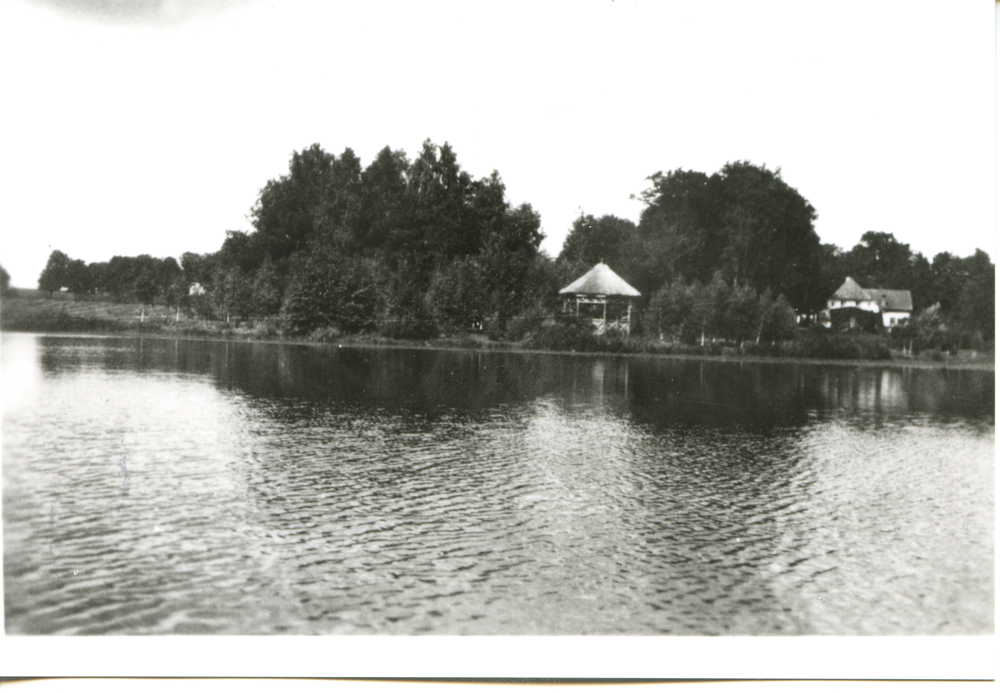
472 345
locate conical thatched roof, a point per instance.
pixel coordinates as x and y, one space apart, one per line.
601 281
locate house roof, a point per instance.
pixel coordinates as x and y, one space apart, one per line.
850 290
600 281
886 299
892 299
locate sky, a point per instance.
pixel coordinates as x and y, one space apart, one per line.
151 126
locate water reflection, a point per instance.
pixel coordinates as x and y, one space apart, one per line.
156 486
693 392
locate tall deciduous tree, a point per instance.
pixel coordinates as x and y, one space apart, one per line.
743 221
383 198
287 212
768 233
507 257
671 309
146 289
608 239
881 261
679 228
266 289
457 297
233 293
199 268
56 273
330 290
977 301
412 222
79 279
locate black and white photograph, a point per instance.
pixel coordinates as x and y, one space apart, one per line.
642 331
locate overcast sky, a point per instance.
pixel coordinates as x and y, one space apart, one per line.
150 127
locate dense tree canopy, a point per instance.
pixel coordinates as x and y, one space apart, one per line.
56 273
881 261
411 248
680 227
743 221
607 239
388 232
959 290
143 278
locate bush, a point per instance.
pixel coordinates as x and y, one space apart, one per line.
326 291
577 334
567 334
826 345
520 328
495 331
615 343
754 349
324 334
855 320
407 327
515 330
264 329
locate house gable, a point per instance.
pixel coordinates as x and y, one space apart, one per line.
850 290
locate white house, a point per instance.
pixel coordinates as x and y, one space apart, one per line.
895 305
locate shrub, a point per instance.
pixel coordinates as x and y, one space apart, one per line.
826 345
407 327
324 334
567 334
516 329
754 349
264 329
326 290
855 320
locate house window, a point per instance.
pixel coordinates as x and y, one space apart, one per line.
892 322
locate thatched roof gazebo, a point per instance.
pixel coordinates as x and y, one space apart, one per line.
599 290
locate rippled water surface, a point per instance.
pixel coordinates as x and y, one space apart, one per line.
161 486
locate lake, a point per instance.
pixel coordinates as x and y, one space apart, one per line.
157 486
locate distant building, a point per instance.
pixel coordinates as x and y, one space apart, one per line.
602 296
894 305
196 289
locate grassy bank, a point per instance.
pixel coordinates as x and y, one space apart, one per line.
27 311
63 315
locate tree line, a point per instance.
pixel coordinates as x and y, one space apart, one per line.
706 245
123 279
412 248
400 247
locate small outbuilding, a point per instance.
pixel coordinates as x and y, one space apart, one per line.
602 296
